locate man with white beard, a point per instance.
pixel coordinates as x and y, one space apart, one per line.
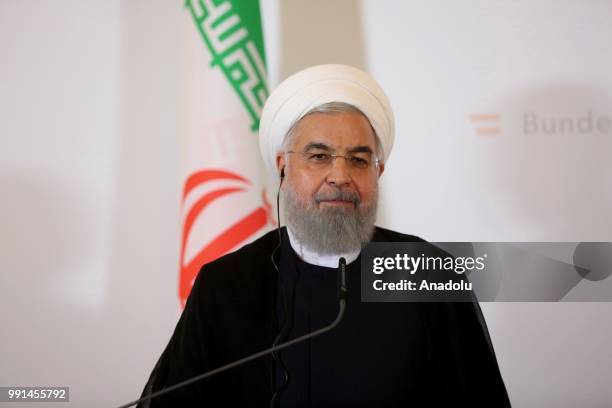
330 204
326 132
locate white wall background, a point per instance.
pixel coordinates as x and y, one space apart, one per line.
90 109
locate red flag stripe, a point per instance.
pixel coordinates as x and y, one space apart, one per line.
203 176
229 239
197 208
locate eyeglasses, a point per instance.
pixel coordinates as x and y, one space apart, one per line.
324 159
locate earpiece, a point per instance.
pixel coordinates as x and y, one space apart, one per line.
282 173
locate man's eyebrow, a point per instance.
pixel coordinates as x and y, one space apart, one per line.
323 146
319 146
361 149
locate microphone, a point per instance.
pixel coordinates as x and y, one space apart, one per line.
342 287
342 298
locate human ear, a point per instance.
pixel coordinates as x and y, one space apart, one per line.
381 169
280 163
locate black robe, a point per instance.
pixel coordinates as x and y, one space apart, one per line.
380 355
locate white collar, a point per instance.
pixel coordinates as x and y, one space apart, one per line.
308 256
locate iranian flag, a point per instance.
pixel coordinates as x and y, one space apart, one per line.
224 202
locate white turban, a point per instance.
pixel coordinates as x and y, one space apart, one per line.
315 86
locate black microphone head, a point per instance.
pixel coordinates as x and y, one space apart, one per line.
342 286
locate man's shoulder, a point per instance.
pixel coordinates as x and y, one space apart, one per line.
387 235
243 266
256 251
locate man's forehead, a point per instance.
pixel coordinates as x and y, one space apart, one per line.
347 130
314 145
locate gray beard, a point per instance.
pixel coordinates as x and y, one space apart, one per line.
329 231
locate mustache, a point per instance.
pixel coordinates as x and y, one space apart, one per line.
338 195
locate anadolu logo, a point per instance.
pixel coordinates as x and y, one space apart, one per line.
204 194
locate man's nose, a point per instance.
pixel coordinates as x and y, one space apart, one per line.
339 173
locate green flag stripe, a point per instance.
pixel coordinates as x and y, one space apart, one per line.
231 30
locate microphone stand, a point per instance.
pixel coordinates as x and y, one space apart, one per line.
342 294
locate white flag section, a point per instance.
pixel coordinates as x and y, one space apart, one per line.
224 201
